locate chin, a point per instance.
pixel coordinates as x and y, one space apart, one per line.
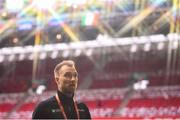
71 90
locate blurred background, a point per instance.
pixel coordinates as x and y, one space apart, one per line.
127 53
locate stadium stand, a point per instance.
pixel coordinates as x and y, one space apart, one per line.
154 102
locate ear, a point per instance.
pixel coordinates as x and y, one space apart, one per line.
56 79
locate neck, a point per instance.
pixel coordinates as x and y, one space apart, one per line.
66 93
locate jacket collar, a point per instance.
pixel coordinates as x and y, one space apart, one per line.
64 97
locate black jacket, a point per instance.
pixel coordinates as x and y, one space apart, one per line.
49 109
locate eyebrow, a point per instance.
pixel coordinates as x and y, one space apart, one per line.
70 72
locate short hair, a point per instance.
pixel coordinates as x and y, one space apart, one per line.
64 62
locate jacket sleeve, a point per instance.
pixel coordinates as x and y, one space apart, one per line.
87 112
39 112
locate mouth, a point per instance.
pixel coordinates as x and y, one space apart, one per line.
72 84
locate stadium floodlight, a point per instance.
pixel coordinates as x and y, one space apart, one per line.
175 44
160 46
17 50
147 47
1 58
43 55
6 51
44 4
31 56
58 36
91 44
37 48
173 36
54 54
28 49
141 85
105 40
65 53
40 89
61 46
66 48
157 38
75 2
133 48
77 52
140 40
11 58
10 6
89 52
47 47
124 41
21 57
4 14
144 84
76 45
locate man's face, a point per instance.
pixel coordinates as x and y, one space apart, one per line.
67 79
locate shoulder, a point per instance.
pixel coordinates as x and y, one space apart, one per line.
46 103
44 107
81 105
84 110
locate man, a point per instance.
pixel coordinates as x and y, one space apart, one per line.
62 105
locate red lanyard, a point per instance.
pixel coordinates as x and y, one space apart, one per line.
62 108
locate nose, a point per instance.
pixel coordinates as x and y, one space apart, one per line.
73 78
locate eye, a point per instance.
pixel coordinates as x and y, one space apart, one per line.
75 74
68 75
